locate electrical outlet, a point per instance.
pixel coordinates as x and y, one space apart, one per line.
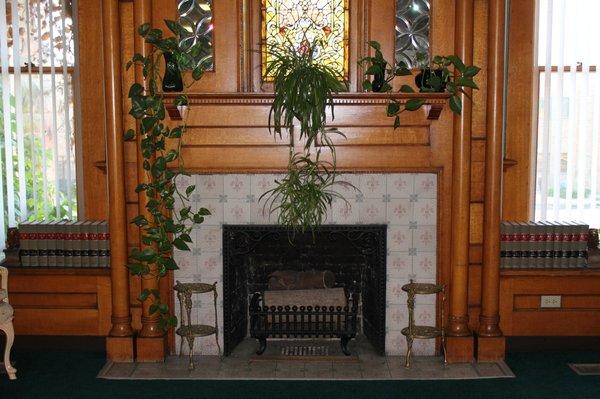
550 301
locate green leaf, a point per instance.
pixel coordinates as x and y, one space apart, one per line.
148 123
139 221
135 90
174 27
471 71
171 155
176 132
147 254
414 104
143 29
466 82
135 268
144 295
197 73
189 190
393 108
129 135
456 104
396 122
457 62
367 85
180 244
406 89
186 237
153 308
203 212
375 45
198 219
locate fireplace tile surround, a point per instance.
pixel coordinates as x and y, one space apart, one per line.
406 202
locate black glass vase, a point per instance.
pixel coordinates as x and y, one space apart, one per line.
172 80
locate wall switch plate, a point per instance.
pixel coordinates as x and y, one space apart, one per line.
550 301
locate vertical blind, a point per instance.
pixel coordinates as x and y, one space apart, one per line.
568 167
37 159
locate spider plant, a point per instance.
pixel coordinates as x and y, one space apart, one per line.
304 86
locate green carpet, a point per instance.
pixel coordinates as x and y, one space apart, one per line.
543 375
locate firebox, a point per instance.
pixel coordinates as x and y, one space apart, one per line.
355 254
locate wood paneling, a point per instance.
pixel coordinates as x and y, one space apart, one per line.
60 301
521 113
521 314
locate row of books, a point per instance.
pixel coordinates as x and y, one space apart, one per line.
542 245
64 244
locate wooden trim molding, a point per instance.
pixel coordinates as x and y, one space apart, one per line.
433 101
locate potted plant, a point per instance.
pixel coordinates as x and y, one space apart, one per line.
444 74
303 90
162 229
382 72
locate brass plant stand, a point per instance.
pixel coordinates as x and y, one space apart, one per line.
188 330
422 332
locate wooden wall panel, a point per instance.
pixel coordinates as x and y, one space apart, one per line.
521 314
480 54
521 113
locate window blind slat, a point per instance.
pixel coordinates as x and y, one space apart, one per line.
543 163
67 115
8 115
31 132
6 112
19 112
42 130
55 115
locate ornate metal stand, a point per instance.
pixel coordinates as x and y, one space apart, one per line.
188 330
422 332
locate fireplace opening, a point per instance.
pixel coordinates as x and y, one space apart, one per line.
354 254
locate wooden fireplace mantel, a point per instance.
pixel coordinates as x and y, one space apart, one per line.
434 102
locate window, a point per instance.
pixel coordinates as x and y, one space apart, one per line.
412 29
37 68
300 21
196 18
568 145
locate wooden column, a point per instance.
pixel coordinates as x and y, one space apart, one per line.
150 344
119 343
460 339
490 341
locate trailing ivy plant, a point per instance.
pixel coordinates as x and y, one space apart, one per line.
435 77
303 90
164 229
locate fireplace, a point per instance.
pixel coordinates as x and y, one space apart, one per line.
406 203
356 254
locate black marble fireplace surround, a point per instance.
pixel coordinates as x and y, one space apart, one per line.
356 254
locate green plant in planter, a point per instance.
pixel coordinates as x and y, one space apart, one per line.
434 77
165 229
383 73
303 89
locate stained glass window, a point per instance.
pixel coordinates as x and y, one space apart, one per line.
303 21
412 29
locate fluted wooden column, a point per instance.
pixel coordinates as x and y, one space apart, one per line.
120 341
489 346
460 341
150 342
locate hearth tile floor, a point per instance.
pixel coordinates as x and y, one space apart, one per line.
239 365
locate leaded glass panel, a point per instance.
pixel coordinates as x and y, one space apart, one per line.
412 29
196 18
303 21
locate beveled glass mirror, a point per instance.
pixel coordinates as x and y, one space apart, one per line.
412 29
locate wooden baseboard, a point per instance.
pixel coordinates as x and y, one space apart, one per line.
119 349
490 349
460 349
151 350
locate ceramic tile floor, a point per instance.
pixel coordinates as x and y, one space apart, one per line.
240 365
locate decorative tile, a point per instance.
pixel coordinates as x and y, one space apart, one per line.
372 185
260 214
425 211
424 238
209 186
399 265
426 185
237 211
396 317
187 264
209 238
373 211
424 347
262 183
345 212
216 211
425 315
395 343
400 185
400 211
210 265
424 266
236 186
399 238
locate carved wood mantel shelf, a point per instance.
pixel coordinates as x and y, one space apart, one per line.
434 102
